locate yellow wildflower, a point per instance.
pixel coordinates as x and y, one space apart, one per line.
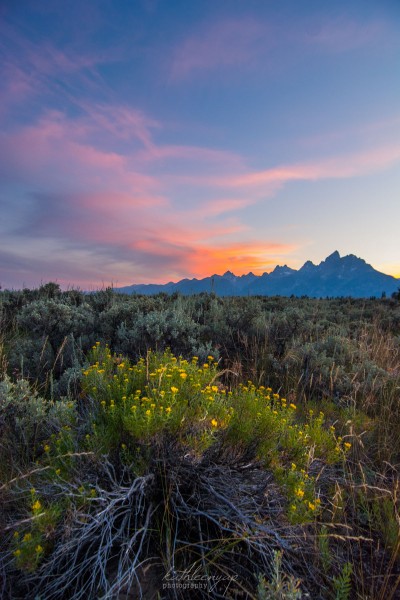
299 492
168 409
39 549
27 537
311 506
347 445
183 375
17 552
174 390
214 422
292 406
36 505
46 448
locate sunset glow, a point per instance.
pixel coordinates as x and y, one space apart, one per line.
155 141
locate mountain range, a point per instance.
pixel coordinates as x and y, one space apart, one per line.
334 277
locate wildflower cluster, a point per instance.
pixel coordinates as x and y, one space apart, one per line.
286 442
304 503
30 545
162 393
159 393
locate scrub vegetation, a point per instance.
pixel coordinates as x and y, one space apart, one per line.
168 446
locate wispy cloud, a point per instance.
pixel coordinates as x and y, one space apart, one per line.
98 194
91 201
230 43
86 199
274 44
341 34
43 73
344 166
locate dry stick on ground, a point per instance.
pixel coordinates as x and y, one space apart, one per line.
223 518
80 563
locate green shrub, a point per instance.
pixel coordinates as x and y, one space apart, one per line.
26 422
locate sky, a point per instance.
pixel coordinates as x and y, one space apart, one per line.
151 140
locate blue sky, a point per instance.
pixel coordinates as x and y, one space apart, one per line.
153 140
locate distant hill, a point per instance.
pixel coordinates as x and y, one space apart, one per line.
335 276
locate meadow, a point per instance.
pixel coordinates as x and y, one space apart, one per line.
218 447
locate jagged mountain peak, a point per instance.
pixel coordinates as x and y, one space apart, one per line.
332 258
334 276
285 270
229 275
308 265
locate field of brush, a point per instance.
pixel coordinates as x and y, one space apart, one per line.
205 447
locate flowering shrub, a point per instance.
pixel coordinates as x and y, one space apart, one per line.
30 544
161 393
136 402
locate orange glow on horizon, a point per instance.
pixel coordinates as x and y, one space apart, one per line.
238 258
389 269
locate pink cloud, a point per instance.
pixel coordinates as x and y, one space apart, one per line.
121 122
47 59
109 207
229 43
220 206
343 34
17 85
219 158
344 166
62 150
